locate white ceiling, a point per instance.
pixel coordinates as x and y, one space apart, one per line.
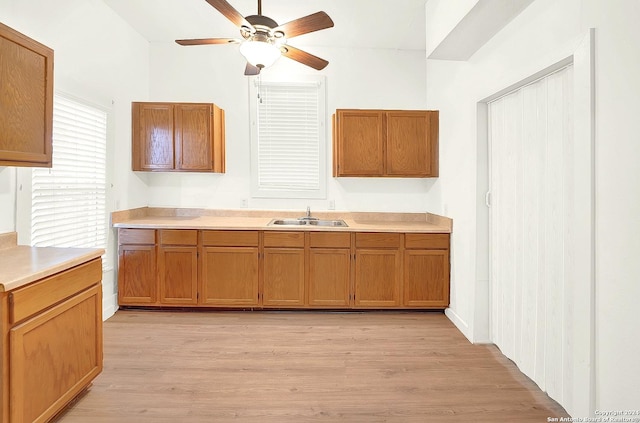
392 24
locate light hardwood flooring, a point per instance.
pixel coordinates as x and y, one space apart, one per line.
183 367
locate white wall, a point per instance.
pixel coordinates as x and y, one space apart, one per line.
545 33
356 78
99 59
7 199
449 14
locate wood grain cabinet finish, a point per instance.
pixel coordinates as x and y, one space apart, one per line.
53 343
378 270
329 267
184 137
137 284
385 143
283 269
426 270
178 266
230 269
359 143
26 100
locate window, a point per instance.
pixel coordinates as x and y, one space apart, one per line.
69 200
288 152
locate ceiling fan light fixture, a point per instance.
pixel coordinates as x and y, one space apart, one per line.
261 54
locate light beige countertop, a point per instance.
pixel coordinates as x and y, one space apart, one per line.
167 218
21 265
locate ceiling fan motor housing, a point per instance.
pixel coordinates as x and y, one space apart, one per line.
261 25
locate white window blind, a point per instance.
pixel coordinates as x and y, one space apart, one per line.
69 199
289 151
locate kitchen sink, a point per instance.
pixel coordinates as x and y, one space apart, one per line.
285 222
306 221
326 223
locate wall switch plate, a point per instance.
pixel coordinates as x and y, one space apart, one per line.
332 205
244 203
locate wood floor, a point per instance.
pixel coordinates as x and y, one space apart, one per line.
183 367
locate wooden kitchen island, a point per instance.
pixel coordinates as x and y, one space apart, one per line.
51 324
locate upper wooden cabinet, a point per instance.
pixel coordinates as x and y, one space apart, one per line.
185 137
26 100
388 143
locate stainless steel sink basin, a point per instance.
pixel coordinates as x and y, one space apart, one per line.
304 222
288 222
327 223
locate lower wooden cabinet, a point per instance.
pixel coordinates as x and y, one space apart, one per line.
283 269
283 283
426 278
426 270
377 281
378 270
137 267
329 276
329 264
178 266
54 349
229 264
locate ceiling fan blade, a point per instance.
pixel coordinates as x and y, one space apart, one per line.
202 41
230 13
304 57
305 25
251 70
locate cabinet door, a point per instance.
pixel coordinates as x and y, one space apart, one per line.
26 100
178 275
137 275
377 278
426 278
409 143
329 275
283 283
359 143
152 137
229 276
54 355
193 137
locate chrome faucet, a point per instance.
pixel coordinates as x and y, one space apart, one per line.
308 215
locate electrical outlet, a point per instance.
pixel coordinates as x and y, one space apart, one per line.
244 203
332 204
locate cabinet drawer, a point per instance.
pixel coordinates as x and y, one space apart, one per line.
377 240
330 239
230 238
427 241
178 237
136 236
33 298
284 239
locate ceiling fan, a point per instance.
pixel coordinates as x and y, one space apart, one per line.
263 40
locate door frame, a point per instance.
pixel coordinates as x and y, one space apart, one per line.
580 392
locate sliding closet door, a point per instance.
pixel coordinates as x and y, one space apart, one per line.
530 136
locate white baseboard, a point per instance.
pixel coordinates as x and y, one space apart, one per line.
460 324
109 306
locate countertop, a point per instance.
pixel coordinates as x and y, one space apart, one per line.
21 265
164 218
